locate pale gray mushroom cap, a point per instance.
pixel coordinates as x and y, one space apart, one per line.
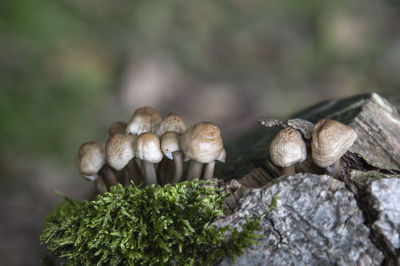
330 141
145 119
147 148
202 142
119 150
91 158
287 148
170 144
171 123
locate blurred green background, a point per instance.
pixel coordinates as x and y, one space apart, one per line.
69 68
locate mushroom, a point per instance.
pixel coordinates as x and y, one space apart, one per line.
91 163
119 154
147 148
145 119
117 128
172 150
330 141
171 123
287 149
202 143
169 130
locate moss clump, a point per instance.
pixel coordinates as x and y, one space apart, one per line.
152 226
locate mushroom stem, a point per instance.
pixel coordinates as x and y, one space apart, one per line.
100 185
334 170
162 171
149 172
289 170
108 175
134 172
177 155
209 170
194 170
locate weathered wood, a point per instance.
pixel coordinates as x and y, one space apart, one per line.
376 121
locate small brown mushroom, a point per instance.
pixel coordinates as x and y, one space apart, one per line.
145 119
287 149
171 123
202 143
169 130
330 141
91 163
172 150
147 148
117 128
119 154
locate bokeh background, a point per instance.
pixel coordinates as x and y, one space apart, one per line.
69 68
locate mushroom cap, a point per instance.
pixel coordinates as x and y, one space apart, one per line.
91 158
330 140
222 156
170 144
119 150
202 142
287 148
117 128
172 122
147 148
145 119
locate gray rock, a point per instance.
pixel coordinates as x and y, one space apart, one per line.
316 221
379 195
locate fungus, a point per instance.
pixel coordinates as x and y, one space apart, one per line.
91 163
119 154
287 149
147 148
145 119
171 123
117 128
172 150
202 143
330 141
170 130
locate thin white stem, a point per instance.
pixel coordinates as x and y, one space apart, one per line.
149 173
209 170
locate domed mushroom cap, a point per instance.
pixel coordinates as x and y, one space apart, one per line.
91 158
172 122
170 144
145 119
287 148
119 150
330 141
117 128
147 148
202 142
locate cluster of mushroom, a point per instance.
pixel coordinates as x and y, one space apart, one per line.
151 150
330 141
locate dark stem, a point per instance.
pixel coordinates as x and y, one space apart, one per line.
177 155
194 170
108 175
287 171
333 170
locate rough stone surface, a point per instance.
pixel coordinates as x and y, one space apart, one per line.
379 196
316 221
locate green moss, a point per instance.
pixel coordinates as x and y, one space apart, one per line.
152 226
